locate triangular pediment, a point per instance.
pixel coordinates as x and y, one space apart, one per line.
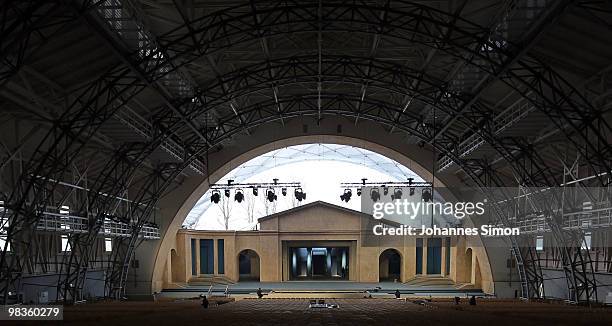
317 216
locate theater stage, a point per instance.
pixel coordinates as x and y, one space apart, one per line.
329 289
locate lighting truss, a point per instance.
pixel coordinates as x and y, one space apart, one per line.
427 189
409 183
274 184
238 188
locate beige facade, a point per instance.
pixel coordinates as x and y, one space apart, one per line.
318 224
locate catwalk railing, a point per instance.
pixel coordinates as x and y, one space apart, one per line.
72 224
577 220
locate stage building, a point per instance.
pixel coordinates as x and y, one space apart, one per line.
322 242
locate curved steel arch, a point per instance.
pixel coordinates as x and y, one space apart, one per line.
334 68
496 55
377 110
383 75
415 11
380 107
242 23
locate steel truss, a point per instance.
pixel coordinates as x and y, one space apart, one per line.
581 123
26 26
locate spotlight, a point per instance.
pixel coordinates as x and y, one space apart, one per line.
239 196
284 191
299 194
270 195
346 196
215 197
227 193
358 191
397 194
426 195
255 191
374 194
385 190
411 191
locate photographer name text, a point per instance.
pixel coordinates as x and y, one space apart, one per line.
407 230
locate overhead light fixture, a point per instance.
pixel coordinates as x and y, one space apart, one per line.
346 196
299 194
239 195
270 195
426 195
238 189
215 197
374 194
397 194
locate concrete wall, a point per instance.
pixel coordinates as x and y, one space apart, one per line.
34 286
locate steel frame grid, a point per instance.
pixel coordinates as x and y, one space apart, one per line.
572 107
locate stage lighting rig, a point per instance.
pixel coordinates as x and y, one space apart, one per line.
346 196
270 195
270 190
426 195
397 193
374 194
299 194
239 195
215 197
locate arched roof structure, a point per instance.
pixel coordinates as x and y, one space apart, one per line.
110 105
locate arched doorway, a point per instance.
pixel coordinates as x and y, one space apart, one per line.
248 265
175 270
390 266
468 266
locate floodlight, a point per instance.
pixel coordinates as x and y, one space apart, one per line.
215 197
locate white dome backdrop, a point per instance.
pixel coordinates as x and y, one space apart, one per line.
320 168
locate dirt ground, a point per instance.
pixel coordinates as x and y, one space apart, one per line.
295 312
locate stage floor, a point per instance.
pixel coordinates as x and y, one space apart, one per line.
305 289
